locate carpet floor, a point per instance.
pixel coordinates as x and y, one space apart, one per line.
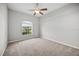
39 47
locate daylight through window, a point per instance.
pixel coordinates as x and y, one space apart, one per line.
27 28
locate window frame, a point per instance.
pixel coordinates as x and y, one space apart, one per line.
25 24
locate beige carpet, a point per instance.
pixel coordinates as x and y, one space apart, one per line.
39 47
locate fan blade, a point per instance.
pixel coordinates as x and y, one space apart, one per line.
41 13
43 9
34 13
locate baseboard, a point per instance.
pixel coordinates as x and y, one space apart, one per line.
3 51
15 41
64 44
20 40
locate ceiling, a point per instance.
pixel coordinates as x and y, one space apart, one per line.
25 7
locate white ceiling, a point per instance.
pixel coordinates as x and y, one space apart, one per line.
25 7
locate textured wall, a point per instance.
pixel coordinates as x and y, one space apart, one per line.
3 27
15 22
62 25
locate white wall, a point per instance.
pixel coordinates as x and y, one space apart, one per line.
3 27
62 25
15 29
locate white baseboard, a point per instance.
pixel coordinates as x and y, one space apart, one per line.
65 44
20 40
15 41
3 51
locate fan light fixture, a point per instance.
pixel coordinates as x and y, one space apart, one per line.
38 10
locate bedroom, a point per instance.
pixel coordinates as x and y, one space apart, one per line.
53 32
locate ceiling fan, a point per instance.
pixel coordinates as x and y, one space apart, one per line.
38 10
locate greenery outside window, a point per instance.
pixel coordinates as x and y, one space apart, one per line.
27 28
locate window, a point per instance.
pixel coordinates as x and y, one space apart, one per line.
27 28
